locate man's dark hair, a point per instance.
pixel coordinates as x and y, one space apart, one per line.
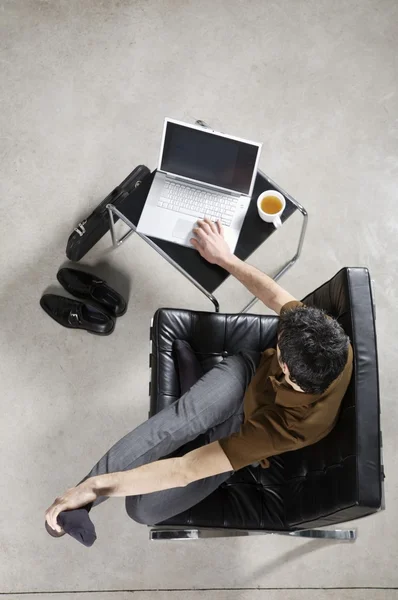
313 346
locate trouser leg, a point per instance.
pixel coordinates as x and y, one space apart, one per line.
214 399
157 507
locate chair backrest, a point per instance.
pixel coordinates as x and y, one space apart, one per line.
213 336
339 478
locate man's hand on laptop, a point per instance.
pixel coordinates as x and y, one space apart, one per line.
210 242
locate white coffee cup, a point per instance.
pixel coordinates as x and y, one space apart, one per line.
275 218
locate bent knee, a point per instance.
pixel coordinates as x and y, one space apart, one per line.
243 365
142 511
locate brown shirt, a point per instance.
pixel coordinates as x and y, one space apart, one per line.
278 418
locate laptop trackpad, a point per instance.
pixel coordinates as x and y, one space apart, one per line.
183 230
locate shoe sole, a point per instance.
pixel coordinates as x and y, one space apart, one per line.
78 328
122 313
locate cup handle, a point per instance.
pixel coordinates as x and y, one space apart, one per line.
277 222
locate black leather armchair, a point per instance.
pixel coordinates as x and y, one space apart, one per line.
338 479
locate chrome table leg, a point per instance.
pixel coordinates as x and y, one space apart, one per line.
133 229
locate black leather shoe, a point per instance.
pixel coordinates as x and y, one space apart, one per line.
92 289
76 315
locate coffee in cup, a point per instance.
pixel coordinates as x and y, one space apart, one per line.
270 206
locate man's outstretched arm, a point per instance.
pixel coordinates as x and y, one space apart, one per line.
154 477
210 243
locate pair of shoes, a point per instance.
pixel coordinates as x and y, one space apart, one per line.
96 315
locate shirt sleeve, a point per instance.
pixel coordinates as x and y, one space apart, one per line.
260 437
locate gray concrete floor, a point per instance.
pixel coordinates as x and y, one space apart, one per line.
85 87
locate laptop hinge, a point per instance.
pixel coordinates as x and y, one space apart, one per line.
202 185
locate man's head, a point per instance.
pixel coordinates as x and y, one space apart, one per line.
313 348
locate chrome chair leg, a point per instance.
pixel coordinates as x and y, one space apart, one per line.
179 534
347 535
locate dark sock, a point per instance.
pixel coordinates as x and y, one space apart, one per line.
78 525
189 368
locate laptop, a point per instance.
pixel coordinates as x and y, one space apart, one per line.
201 173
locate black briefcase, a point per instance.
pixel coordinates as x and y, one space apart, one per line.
91 230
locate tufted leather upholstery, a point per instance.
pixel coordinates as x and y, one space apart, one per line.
335 480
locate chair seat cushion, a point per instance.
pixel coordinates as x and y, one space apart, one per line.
253 498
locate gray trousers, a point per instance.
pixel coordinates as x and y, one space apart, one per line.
211 410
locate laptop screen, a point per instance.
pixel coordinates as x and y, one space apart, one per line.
209 158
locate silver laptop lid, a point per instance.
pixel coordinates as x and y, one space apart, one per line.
206 156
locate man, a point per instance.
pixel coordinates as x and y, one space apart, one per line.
247 408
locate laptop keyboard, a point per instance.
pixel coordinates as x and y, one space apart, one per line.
198 203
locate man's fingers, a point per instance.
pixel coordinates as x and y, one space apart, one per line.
55 519
220 228
200 232
52 516
205 226
51 521
211 224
